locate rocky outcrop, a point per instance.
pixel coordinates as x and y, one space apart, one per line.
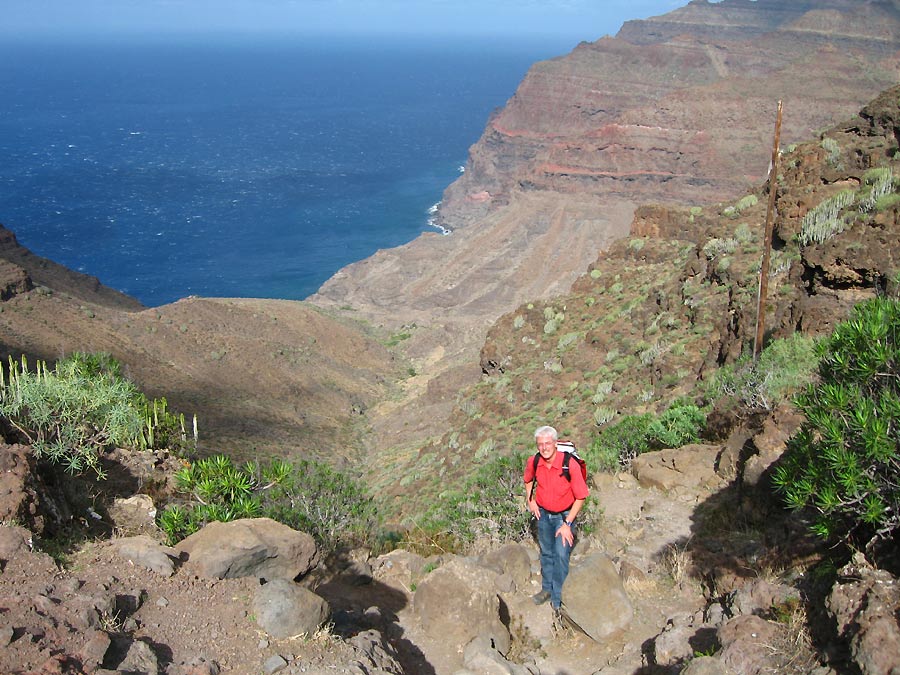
20 270
679 109
149 553
687 468
865 603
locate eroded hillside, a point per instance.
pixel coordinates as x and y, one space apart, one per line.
264 377
678 109
659 312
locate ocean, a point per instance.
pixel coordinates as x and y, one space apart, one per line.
238 167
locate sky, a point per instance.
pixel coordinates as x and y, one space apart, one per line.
572 19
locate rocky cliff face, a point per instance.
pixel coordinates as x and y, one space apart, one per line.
678 109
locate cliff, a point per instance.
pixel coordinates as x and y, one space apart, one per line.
678 109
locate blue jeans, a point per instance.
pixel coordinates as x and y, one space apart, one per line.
554 555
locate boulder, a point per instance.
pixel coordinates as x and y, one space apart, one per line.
457 602
706 665
131 656
284 609
14 541
481 658
747 644
684 635
865 603
758 597
511 559
595 598
398 568
147 552
376 652
690 468
257 547
24 496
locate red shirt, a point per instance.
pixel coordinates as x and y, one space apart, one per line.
554 492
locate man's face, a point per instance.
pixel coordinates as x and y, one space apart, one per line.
546 446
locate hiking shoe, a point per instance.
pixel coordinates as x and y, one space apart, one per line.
541 598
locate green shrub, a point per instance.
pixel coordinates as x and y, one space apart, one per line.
82 407
307 496
844 460
333 507
833 151
488 504
824 221
680 425
746 202
783 368
636 244
877 184
616 445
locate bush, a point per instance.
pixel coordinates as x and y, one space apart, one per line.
333 507
308 496
844 460
83 406
680 425
616 445
783 368
489 504
825 221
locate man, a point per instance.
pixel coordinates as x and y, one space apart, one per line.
555 501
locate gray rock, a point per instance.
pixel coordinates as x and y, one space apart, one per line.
13 541
6 635
93 651
376 652
705 665
758 597
592 578
673 645
511 559
480 657
284 609
398 568
139 658
457 602
147 552
257 547
273 664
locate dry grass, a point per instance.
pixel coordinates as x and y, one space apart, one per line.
676 561
641 587
793 647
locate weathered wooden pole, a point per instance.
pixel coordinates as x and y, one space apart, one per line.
767 244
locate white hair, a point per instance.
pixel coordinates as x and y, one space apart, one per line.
547 431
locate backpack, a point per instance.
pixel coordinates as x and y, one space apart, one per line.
569 453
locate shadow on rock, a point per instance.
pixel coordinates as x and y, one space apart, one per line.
359 603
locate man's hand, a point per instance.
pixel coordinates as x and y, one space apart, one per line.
534 508
565 531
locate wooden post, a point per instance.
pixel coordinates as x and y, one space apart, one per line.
767 244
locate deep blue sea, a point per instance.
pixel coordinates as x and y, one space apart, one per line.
238 168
